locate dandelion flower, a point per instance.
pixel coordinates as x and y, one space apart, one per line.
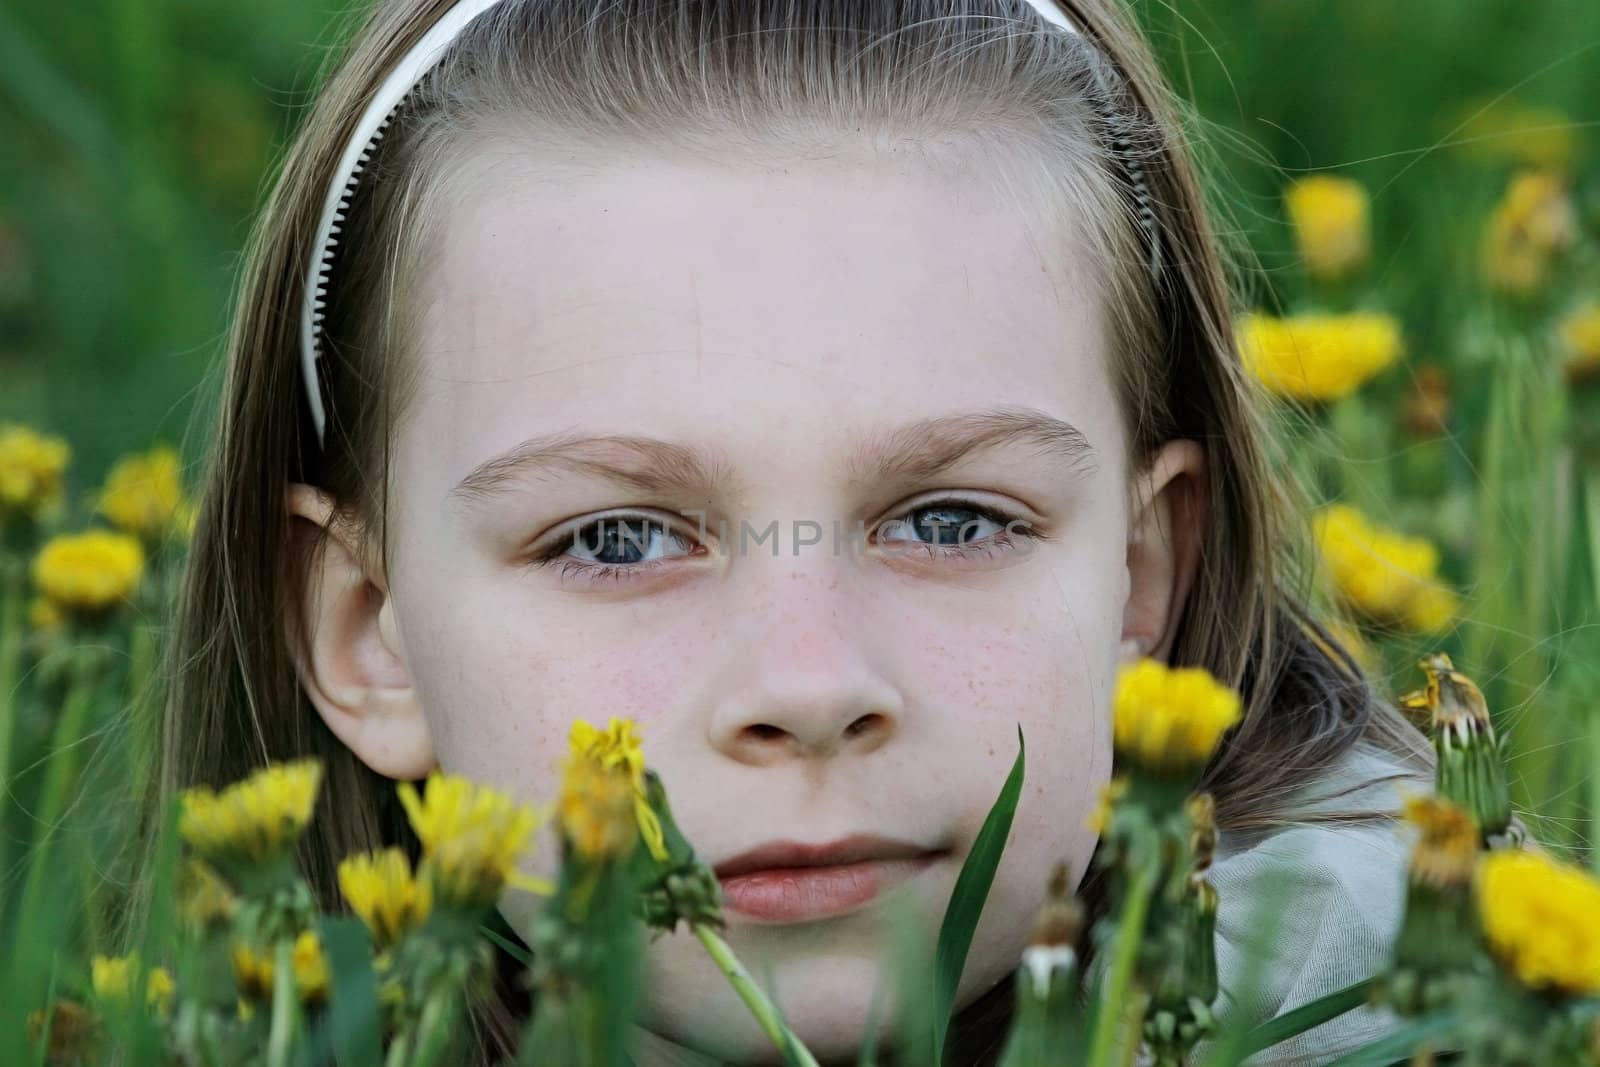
472 837
1388 577
254 821
256 973
143 494
618 746
596 809
386 895
1447 847
89 572
1533 224
1168 720
1330 218
31 466
1318 358
1541 919
1580 341
112 977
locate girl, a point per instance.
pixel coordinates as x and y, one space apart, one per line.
831 387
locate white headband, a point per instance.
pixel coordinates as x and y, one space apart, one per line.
364 140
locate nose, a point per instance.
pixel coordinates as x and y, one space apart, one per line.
809 676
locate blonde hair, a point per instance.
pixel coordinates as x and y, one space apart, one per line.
718 77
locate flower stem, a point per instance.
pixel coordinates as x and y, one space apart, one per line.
754 999
1129 932
433 1030
283 1005
11 609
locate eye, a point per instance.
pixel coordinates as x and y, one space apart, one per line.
954 528
614 547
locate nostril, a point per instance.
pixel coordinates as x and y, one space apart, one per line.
765 731
863 724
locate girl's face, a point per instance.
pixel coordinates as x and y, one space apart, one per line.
727 365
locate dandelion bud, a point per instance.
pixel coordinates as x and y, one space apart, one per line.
1046 1024
382 890
1471 771
1330 219
1580 342
1434 946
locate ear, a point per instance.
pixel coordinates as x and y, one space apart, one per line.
1165 531
353 661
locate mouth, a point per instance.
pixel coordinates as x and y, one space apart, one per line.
789 882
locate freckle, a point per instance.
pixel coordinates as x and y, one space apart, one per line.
991 750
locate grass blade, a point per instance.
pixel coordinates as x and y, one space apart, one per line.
967 899
1306 1016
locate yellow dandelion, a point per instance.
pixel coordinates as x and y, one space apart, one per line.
1580 342
471 838
253 821
256 973
1534 223
143 494
113 977
1387 577
31 466
618 746
1169 720
384 892
1330 219
1541 919
1447 847
89 572
1319 357
596 809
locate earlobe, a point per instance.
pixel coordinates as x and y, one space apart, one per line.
1165 531
352 662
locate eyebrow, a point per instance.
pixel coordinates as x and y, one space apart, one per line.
914 452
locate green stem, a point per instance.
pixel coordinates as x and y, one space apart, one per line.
58 776
283 1005
433 1030
1129 932
754 999
11 621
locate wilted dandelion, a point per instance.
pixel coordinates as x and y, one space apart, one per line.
618 746
1386 576
1331 229
88 573
31 466
143 494
254 821
1541 919
113 977
1168 720
472 837
383 891
1318 358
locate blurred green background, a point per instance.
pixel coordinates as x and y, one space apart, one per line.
139 138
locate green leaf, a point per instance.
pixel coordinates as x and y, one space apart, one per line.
1306 1016
506 945
352 1032
967 898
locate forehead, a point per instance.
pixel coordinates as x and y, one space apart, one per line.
760 308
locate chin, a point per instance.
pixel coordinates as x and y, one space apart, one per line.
825 996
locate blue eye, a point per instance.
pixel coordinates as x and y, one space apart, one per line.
945 523
615 547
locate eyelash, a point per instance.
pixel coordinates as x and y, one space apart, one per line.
988 548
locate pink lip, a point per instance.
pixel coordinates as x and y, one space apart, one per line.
788 882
